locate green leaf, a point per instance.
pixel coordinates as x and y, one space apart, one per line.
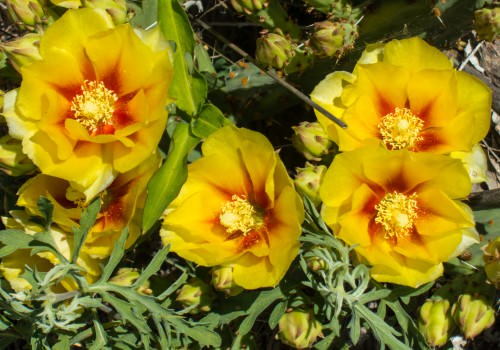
125 310
87 220
46 208
203 336
153 266
168 180
276 314
116 256
209 119
202 59
100 336
262 302
188 87
14 240
145 15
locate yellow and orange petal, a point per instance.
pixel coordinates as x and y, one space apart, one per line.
238 206
95 101
405 95
400 209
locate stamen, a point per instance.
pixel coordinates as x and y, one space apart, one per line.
239 215
94 107
397 212
401 129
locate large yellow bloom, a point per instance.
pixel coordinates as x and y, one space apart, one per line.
405 95
238 207
94 105
400 209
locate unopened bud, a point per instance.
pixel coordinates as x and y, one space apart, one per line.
487 23
299 329
473 315
332 38
308 180
249 6
311 140
117 9
222 281
195 294
315 263
27 14
274 50
491 259
23 50
126 276
434 321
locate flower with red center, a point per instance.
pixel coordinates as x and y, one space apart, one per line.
401 210
238 207
93 106
405 95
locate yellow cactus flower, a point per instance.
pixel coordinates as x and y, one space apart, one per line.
238 207
405 95
122 204
93 106
400 210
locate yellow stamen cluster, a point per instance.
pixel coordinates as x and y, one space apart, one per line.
401 129
239 215
94 107
397 212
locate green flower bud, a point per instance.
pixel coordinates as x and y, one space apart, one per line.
315 263
274 50
434 321
308 179
126 276
487 23
13 161
311 140
195 294
23 50
117 9
299 329
491 259
222 280
332 38
26 13
249 6
473 315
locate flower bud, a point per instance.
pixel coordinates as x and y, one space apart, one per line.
126 276
332 38
299 329
249 6
434 321
474 161
491 259
23 50
308 179
315 263
222 280
473 315
195 294
13 161
311 140
117 9
487 23
26 13
274 50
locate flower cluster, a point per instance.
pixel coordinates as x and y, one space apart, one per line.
90 113
394 193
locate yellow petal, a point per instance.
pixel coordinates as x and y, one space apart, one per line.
415 54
